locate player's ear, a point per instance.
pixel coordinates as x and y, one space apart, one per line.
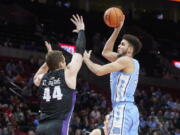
130 50
61 64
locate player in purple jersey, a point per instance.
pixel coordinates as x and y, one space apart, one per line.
57 85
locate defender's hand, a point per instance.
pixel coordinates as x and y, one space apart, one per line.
48 46
79 23
87 55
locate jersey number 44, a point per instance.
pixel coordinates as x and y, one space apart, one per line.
56 94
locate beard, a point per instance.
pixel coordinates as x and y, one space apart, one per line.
121 54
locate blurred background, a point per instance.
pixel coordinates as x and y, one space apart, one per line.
25 24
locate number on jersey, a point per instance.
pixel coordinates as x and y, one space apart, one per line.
56 94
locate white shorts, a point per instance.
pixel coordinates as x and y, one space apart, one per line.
124 120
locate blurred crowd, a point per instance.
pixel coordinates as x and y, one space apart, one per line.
159 112
33 23
162 67
19 100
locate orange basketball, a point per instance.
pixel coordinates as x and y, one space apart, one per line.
113 17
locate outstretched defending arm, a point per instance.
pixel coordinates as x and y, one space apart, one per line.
74 66
76 61
81 42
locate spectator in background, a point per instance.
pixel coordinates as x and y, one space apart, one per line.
96 41
103 130
31 132
10 67
20 67
95 113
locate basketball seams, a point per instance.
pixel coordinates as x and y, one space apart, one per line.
106 17
113 16
109 17
117 18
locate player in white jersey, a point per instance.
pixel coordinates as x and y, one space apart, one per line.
124 69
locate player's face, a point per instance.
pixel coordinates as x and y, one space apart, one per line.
123 47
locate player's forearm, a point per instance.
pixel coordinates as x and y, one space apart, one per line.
81 42
42 70
110 42
92 66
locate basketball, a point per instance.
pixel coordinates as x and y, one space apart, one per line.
113 17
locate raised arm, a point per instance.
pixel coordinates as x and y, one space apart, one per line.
120 64
76 61
108 48
43 69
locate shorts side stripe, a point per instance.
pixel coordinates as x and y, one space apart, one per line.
123 120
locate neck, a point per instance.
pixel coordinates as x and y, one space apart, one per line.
129 55
105 130
60 68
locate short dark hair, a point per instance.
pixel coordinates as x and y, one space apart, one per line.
134 42
53 59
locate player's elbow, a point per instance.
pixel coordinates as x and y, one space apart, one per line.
36 82
99 73
103 53
37 79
